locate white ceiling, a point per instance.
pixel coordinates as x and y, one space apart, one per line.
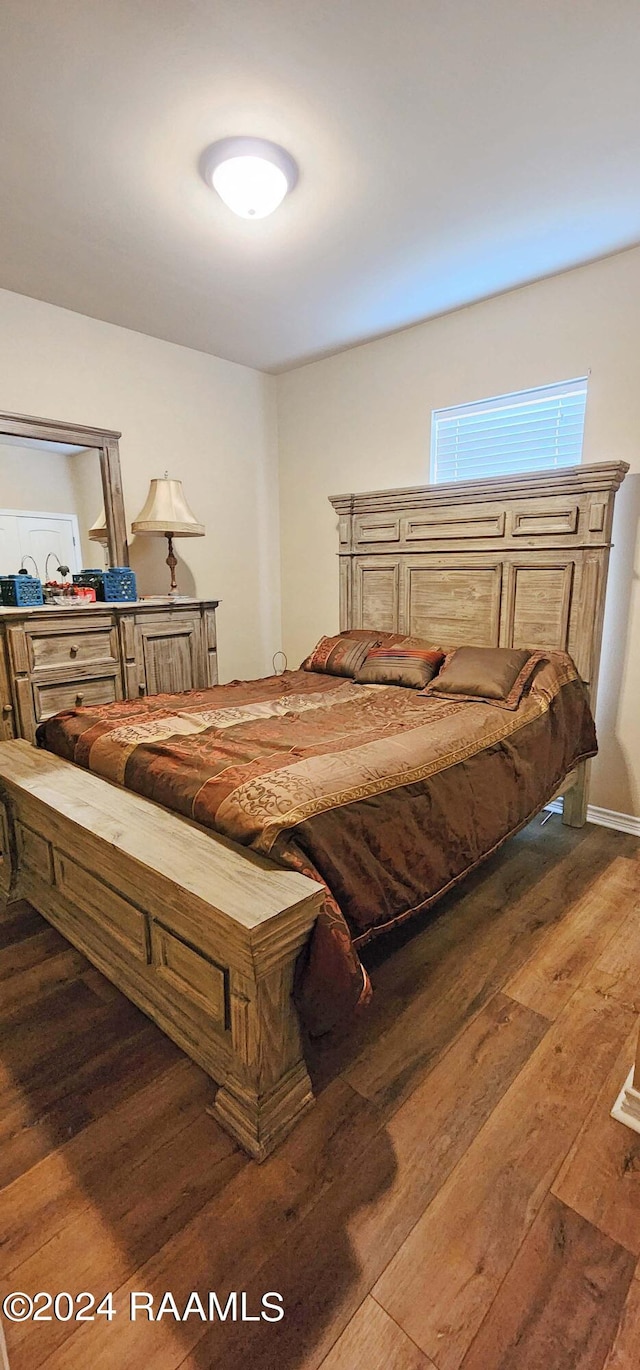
447 151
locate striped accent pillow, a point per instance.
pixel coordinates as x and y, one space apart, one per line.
413 667
339 655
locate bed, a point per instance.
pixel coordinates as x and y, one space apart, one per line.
363 802
384 796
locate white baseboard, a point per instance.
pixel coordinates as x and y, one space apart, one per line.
605 818
627 1105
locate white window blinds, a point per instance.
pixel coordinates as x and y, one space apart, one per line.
531 430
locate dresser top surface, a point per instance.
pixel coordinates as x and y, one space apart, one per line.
31 611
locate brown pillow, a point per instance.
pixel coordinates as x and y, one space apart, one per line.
339 655
413 667
495 675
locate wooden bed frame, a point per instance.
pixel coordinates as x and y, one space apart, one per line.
513 561
203 935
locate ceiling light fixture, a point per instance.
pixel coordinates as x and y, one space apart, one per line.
251 175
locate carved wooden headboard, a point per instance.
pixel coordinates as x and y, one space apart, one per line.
513 561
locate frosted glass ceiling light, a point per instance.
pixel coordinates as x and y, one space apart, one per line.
251 175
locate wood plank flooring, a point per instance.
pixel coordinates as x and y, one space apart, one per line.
459 1199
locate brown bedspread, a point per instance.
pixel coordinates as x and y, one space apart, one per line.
386 796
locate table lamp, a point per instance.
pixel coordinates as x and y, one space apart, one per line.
98 532
166 512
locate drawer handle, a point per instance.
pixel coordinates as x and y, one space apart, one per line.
79 699
7 710
74 649
142 690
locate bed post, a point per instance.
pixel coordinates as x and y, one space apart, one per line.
269 1087
574 804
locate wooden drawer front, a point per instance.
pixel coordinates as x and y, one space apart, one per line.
34 852
51 698
169 663
75 646
169 654
202 982
114 915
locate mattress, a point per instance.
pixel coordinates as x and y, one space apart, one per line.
386 796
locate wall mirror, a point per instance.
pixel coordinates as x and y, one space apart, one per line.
60 497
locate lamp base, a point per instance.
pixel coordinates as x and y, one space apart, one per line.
172 562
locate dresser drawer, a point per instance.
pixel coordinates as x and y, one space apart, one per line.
74 646
52 696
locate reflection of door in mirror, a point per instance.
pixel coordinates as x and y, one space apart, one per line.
39 539
51 494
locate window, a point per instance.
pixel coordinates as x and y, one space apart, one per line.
531 430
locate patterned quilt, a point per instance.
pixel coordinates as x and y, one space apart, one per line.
387 797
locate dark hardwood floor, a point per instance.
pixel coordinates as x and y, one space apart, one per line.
459 1197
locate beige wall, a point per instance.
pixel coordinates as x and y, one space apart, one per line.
210 422
36 481
86 477
361 420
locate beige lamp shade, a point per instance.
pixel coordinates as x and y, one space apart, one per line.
98 530
166 511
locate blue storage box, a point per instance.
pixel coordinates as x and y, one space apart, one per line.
18 591
120 583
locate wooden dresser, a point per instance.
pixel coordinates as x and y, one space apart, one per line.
58 658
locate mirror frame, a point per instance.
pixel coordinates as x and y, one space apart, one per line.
105 442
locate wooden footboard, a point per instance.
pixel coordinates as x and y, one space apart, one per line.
201 934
